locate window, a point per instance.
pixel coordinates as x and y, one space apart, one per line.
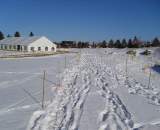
14 47
10 47
18 47
52 48
39 48
1 46
46 48
5 47
32 48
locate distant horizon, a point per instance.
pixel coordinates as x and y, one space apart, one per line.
107 40
82 20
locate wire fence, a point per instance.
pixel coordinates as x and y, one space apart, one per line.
57 85
133 66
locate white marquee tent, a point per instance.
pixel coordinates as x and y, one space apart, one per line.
27 44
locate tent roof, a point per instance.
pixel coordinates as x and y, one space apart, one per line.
19 40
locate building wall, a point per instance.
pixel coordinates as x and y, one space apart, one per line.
8 47
42 44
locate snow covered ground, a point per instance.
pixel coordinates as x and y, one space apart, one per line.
25 74
100 89
105 90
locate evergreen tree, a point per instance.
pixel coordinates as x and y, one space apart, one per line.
8 35
111 43
31 34
1 35
136 42
155 42
104 44
124 43
17 34
130 43
118 44
135 39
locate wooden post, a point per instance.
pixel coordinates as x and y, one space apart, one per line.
43 95
80 54
101 58
149 80
65 62
150 73
59 75
127 67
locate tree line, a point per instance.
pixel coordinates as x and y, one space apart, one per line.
16 34
131 43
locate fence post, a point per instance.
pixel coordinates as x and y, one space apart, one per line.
65 61
43 95
150 73
149 80
127 67
59 74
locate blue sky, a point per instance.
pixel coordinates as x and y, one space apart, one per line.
82 19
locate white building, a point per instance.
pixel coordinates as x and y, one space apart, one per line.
29 44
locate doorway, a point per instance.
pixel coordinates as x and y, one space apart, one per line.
18 47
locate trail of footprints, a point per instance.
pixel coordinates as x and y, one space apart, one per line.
65 112
115 115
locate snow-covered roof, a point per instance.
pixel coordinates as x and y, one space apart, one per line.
19 40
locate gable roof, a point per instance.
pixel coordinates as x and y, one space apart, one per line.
19 40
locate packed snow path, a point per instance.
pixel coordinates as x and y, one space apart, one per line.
67 110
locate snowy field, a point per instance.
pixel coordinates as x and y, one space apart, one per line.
99 89
22 75
98 93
